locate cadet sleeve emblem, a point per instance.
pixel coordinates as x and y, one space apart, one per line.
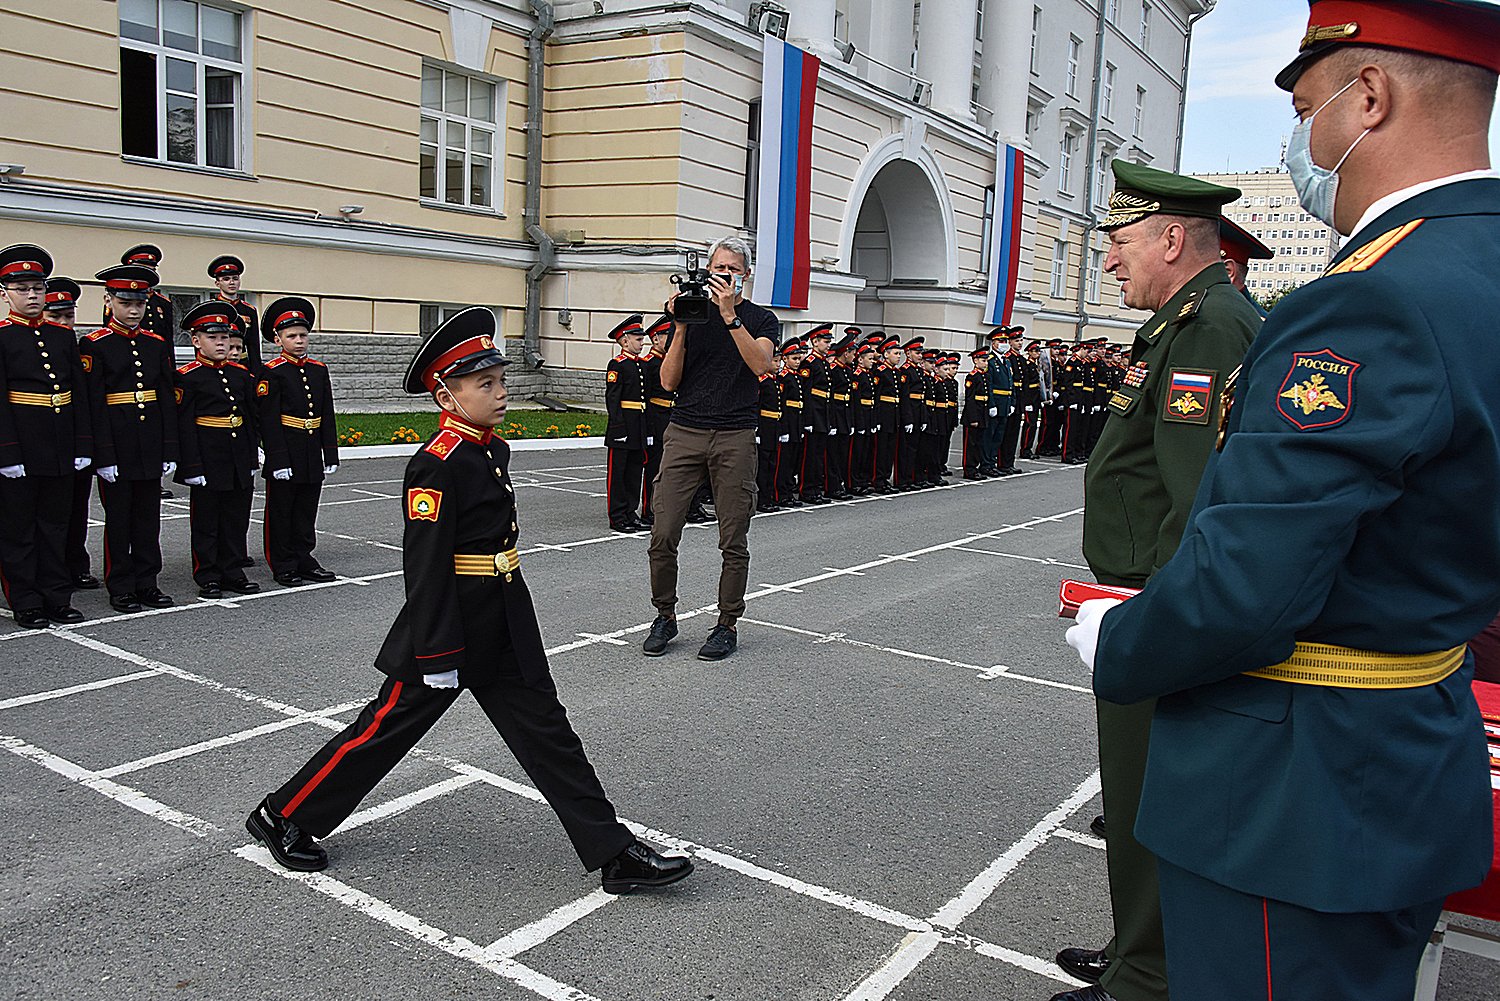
1189 393
178 394
613 376
422 504
1318 391
805 372
88 362
262 388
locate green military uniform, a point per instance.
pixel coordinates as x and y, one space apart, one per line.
1138 490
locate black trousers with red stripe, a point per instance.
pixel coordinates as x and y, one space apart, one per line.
291 525
885 456
975 436
788 462
132 535
813 476
78 525
218 521
528 717
622 483
862 460
33 540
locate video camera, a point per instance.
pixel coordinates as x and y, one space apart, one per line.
692 305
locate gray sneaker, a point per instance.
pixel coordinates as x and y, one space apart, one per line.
720 643
663 630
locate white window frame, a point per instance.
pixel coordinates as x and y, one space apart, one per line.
1112 12
1067 150
1036 30
1146 26
1102 178
1107 102
1140 111
1075 55
1096 276
201 63
1058 282
443 118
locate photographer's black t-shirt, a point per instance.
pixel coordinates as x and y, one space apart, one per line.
718 391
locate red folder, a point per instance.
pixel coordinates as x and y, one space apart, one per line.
1072 593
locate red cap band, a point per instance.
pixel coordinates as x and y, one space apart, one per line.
126 283
1448 30
61 298
458 352
291 315
20 267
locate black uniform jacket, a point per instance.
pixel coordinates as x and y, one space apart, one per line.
793 404
976 399
40 360
458 500
912 389
887 396
217 425
658 401
295 400
768 430
625 402
130 377
814 375
840 391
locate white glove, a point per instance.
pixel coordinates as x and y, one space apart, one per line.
281 474
444 679
784 438
109 473
994 411
807 428
168 468
909 428
13 472
1072 406
832 432
260 455
196 481
80 462
1083 635
330 470
1028 409
924 427
650 440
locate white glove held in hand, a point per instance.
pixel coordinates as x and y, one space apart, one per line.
1083 635
80 463
784 438
444 679
909 428
13 472
109 473
832 432
168 468
994 411
281 474
330 470
196 481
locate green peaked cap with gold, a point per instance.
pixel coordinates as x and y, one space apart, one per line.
1144 191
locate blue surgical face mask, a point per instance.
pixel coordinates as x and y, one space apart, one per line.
1317 187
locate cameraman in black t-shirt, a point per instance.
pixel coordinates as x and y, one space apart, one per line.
715 366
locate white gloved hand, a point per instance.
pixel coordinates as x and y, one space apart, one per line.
196 481
1072 406
80 462
832 432
784 438
650 440
109 473
1083 635
1028 409
807 429
994 411
443 679
281 474
168 468
909 428
13 472
924 427
330 470
260 455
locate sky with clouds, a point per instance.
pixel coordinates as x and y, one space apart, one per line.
1236 117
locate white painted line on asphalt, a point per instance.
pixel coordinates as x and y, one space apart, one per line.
227 740
122 794
62 693
566 490
409 924
1031 964
611 640
912 951
399 805
374 493
531 935
1048 561
1078 838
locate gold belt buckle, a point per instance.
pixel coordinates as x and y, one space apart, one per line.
58 399
307 424
140 396
236 420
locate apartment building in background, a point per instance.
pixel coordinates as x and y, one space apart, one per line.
1270 210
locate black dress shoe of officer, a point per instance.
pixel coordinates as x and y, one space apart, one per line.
663 630
289 579
1087 965
32 618
166 494
289 844
640 866
645 520
318 575
1097 826
210 590
766 507
241 586
1093 992
792 502
152 597
842 495
125 603
63 614
85 582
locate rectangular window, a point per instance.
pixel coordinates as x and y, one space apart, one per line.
1059 285
1112 11
1069 146
182 70
1146 25
1075 50
1036 29
460 145
1108 95
1096 275
1140 110
1033 119
1102 178
987 230
752 166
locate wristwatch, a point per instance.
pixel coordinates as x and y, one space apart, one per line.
734 324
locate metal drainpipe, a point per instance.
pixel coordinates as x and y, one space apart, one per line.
1089 204
1187 55
532 216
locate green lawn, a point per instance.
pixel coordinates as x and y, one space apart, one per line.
382 429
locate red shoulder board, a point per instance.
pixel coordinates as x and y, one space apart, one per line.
278 360
238 366
154 336
314 361
96 335
443 444
184 370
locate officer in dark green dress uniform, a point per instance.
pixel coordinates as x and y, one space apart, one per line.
1317 781
1139 486
468 623
1239 246
62 309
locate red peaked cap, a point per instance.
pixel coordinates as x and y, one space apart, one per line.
1466 31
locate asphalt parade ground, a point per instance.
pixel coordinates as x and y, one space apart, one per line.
887 789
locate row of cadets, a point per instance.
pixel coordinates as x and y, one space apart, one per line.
1026 393
862 356
625 396
939 417
1049 444
976 415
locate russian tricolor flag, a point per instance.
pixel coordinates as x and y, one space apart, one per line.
1191 382
789 90
1005 234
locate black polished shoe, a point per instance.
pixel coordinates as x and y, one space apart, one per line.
1097 826
792 502
318 575
842 495
63 614
720 643
767 508
1087 965
663 630
645 520
241 586
815 500
289 579
210 590
85 582
698 516
248 561
885 488
939 482
640 866
152 597
125 603
1009 471
32 618
166 494
288 844
972 475
1093 992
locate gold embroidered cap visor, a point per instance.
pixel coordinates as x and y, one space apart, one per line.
1145 191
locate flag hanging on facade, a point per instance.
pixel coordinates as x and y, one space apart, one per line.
789 87
1005 234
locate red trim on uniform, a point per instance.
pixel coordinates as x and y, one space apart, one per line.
348 746
1265 914
54 298
142 257
293 314
15 267
265 535
465 430
126 283
461 350
211 320
1447 30
609 481
445 653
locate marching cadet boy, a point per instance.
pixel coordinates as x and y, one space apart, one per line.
216 419
62 309
297 425
130 379
887 413
658 411
228 272
793 409
468 622
976 414
46 436
625 436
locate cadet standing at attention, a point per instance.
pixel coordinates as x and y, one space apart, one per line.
887 413
793 410
658 412
625 436
160 317
228 274
62 309
976 414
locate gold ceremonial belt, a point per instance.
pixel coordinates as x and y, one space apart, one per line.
219 422
632 405
773 414
794 404
139 396
841 396
1343 667
820 393
916 396
40 399
867 403
485 565
660 402
301 423
999 392
890 399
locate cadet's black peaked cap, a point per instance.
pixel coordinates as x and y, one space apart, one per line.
62 293
211 316
630 325
225 264
1145 191
288 311
463 343
822 330
24 260
148 254
129 281
1239 244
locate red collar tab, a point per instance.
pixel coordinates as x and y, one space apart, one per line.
210 364
115 326
295 361
20 320
465 430
455 354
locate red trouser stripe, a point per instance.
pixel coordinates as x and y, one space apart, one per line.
1265 913
348 746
